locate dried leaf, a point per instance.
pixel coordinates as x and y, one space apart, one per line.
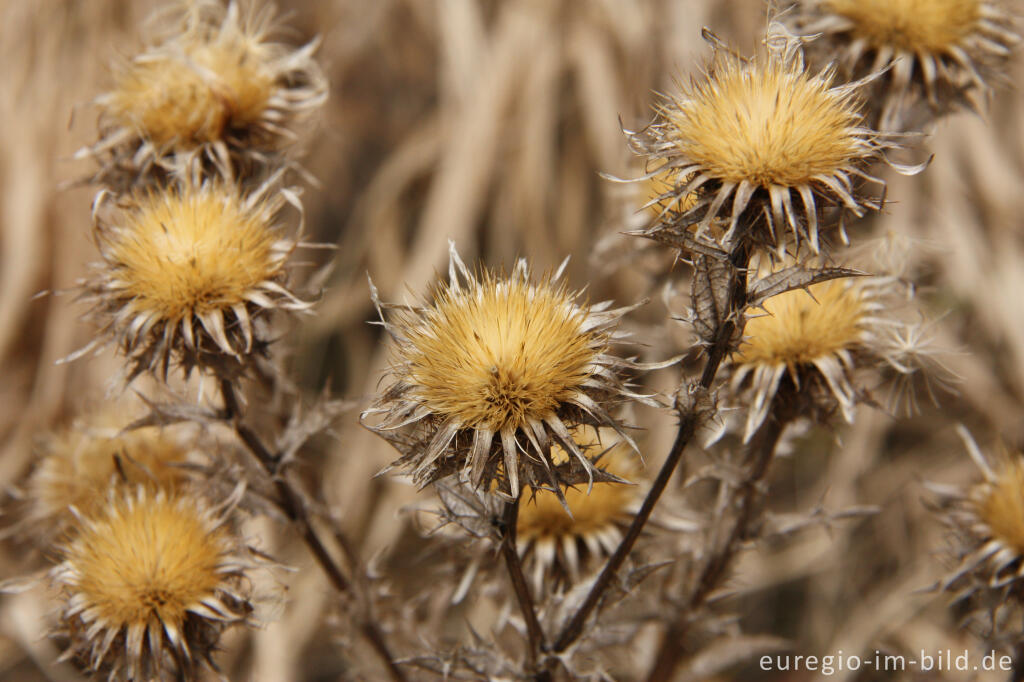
710 296
795 277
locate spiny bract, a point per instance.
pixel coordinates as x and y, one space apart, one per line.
186 271
753 137
941 50
492 371
149 583
212 88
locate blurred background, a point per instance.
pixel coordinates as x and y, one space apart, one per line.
488 123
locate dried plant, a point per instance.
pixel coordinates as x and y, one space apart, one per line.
523 414
940 54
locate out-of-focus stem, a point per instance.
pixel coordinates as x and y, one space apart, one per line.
291 504
758 456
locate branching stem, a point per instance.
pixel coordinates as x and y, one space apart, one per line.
758 456
291 504
688 423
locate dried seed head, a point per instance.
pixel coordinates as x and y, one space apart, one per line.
999 505
812 347
82 463
187 271
149 583
212 88
492 370
986 524
561 542
762 145
941 49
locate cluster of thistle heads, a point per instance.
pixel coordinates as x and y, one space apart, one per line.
197 140
503 386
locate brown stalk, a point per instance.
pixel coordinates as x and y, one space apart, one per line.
758 457
688 422
291 504
534 632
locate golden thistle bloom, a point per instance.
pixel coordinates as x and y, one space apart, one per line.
80 464
213 88
560 542
810 343
762 144
939 48
148 585
187 271
986 522
492 371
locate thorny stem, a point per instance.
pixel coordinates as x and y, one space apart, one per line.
534 632
290 502
688 422
758 457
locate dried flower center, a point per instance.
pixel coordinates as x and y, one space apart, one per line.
187 253
193 98
497 354
80 465
799 329
1001 506
153 559
544 517
765 124
911 25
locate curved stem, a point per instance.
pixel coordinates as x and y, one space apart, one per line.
688 422
758 457
291 504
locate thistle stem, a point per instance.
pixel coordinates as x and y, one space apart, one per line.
688 423
290 502
534 632
758 456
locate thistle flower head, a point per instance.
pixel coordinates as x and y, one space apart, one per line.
560 538
212 88
762 145
813 343
986 523
148 585
187 271
941 49
80 464
491 371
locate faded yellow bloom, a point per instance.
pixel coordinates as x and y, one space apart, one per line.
211 88
493 371
82 463
940 50
763 138
560 537
148 585
186 271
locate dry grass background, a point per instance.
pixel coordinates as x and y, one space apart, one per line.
487 123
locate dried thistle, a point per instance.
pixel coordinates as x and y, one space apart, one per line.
149 584
939 51
81 463
809 343
493 370
560 540
752 137
986 521
187 273
212 88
